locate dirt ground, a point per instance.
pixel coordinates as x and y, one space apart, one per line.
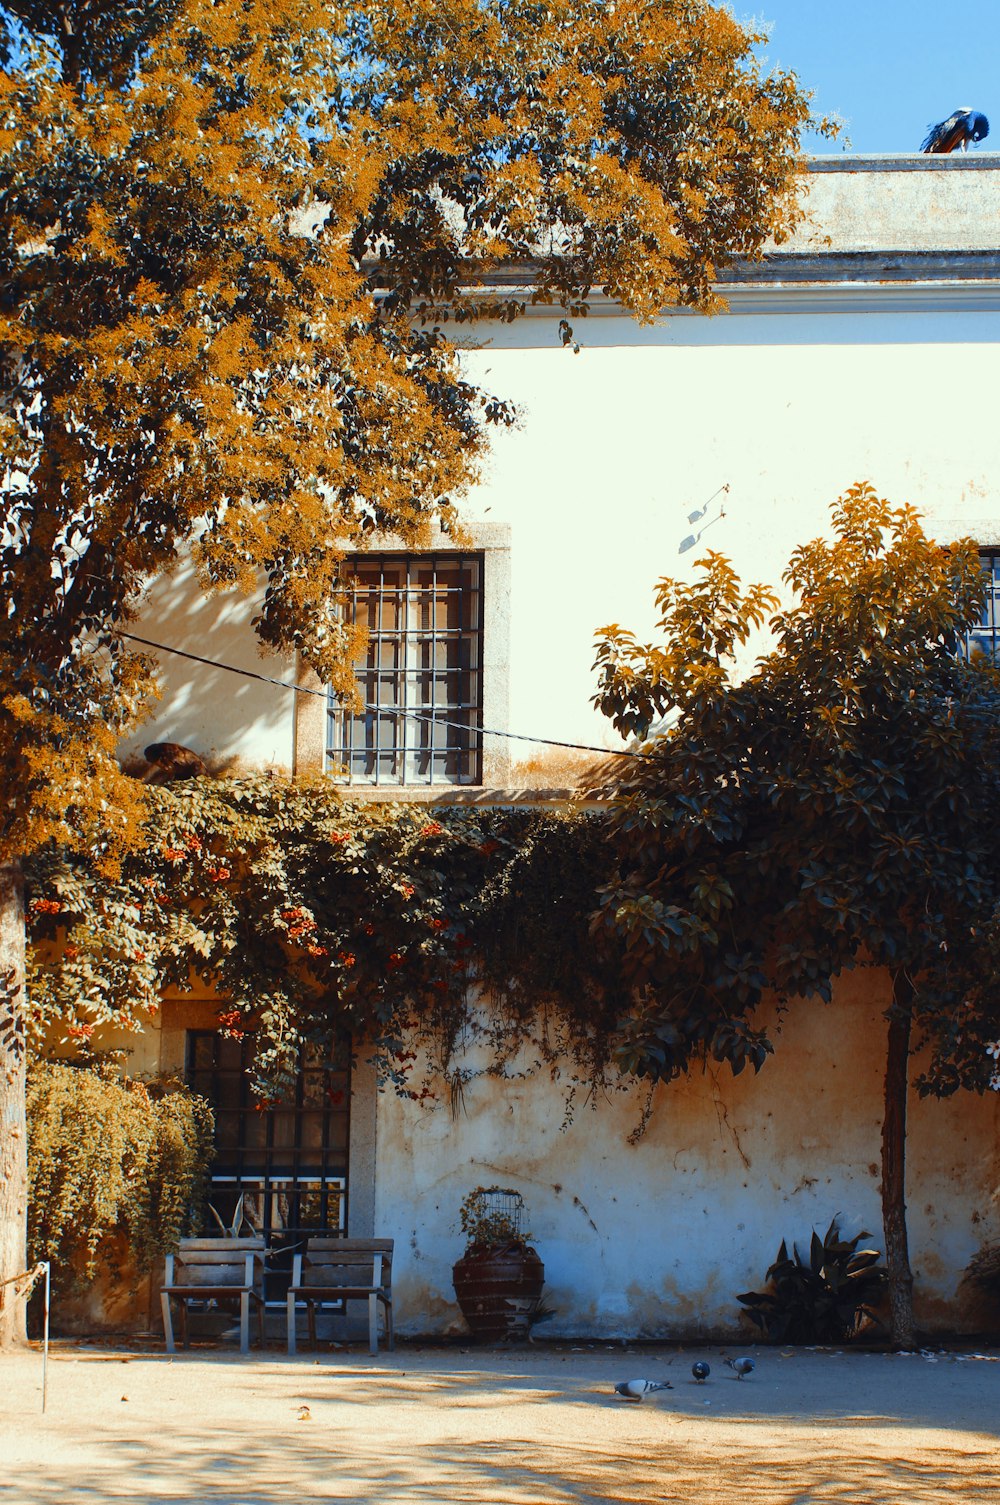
535 1426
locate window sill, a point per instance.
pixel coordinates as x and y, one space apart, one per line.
469 794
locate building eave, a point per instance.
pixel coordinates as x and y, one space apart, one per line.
886 162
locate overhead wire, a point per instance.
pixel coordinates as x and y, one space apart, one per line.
431 716
421 716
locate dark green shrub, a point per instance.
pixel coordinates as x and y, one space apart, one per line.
826 1298
983 1270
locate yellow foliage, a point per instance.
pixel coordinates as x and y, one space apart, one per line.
228 230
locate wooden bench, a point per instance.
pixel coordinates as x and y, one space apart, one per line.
213 1269
343 1269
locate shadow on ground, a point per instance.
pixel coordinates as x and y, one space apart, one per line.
429 1428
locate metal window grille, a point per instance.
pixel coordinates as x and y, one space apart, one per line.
288 1162
986 636
424 618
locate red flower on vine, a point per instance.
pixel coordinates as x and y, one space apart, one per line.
219 874
80 1031
229 1022
347 958
432 828
172 854
407 890
45 906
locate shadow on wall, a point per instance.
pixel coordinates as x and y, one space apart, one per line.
231 721
586 773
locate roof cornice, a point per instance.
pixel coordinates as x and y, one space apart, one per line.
812 285
905 162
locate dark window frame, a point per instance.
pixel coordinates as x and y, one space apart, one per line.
291 1187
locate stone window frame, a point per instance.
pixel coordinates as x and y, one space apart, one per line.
492 542
422 678
986 636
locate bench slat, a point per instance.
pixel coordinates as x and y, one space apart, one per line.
213 1269
335 1269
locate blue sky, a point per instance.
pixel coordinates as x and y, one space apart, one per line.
889 67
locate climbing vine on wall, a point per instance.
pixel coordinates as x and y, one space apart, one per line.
415 929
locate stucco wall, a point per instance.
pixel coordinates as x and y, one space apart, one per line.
614 477
655 1238
632 457
734 433
233 722
885 203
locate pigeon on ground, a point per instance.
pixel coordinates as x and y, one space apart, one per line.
639 1389
701 1371
742 1367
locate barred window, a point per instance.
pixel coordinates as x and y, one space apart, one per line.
421 675
279 1169
986 636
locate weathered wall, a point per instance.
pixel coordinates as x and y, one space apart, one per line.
885 203
654 1239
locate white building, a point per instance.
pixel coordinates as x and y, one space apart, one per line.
868 348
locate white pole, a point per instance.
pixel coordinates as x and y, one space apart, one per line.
45 1340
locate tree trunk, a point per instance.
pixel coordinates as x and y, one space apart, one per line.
897 1254
13 1129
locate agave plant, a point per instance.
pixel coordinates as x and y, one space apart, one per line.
240 1219
984 1268
826 1298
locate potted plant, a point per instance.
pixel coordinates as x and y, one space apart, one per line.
498 1280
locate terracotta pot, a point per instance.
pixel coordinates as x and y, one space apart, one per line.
498 1291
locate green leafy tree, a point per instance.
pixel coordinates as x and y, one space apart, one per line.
835 807
230 234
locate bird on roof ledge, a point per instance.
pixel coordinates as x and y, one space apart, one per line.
958 130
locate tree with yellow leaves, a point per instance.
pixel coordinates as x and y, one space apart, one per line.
230 233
